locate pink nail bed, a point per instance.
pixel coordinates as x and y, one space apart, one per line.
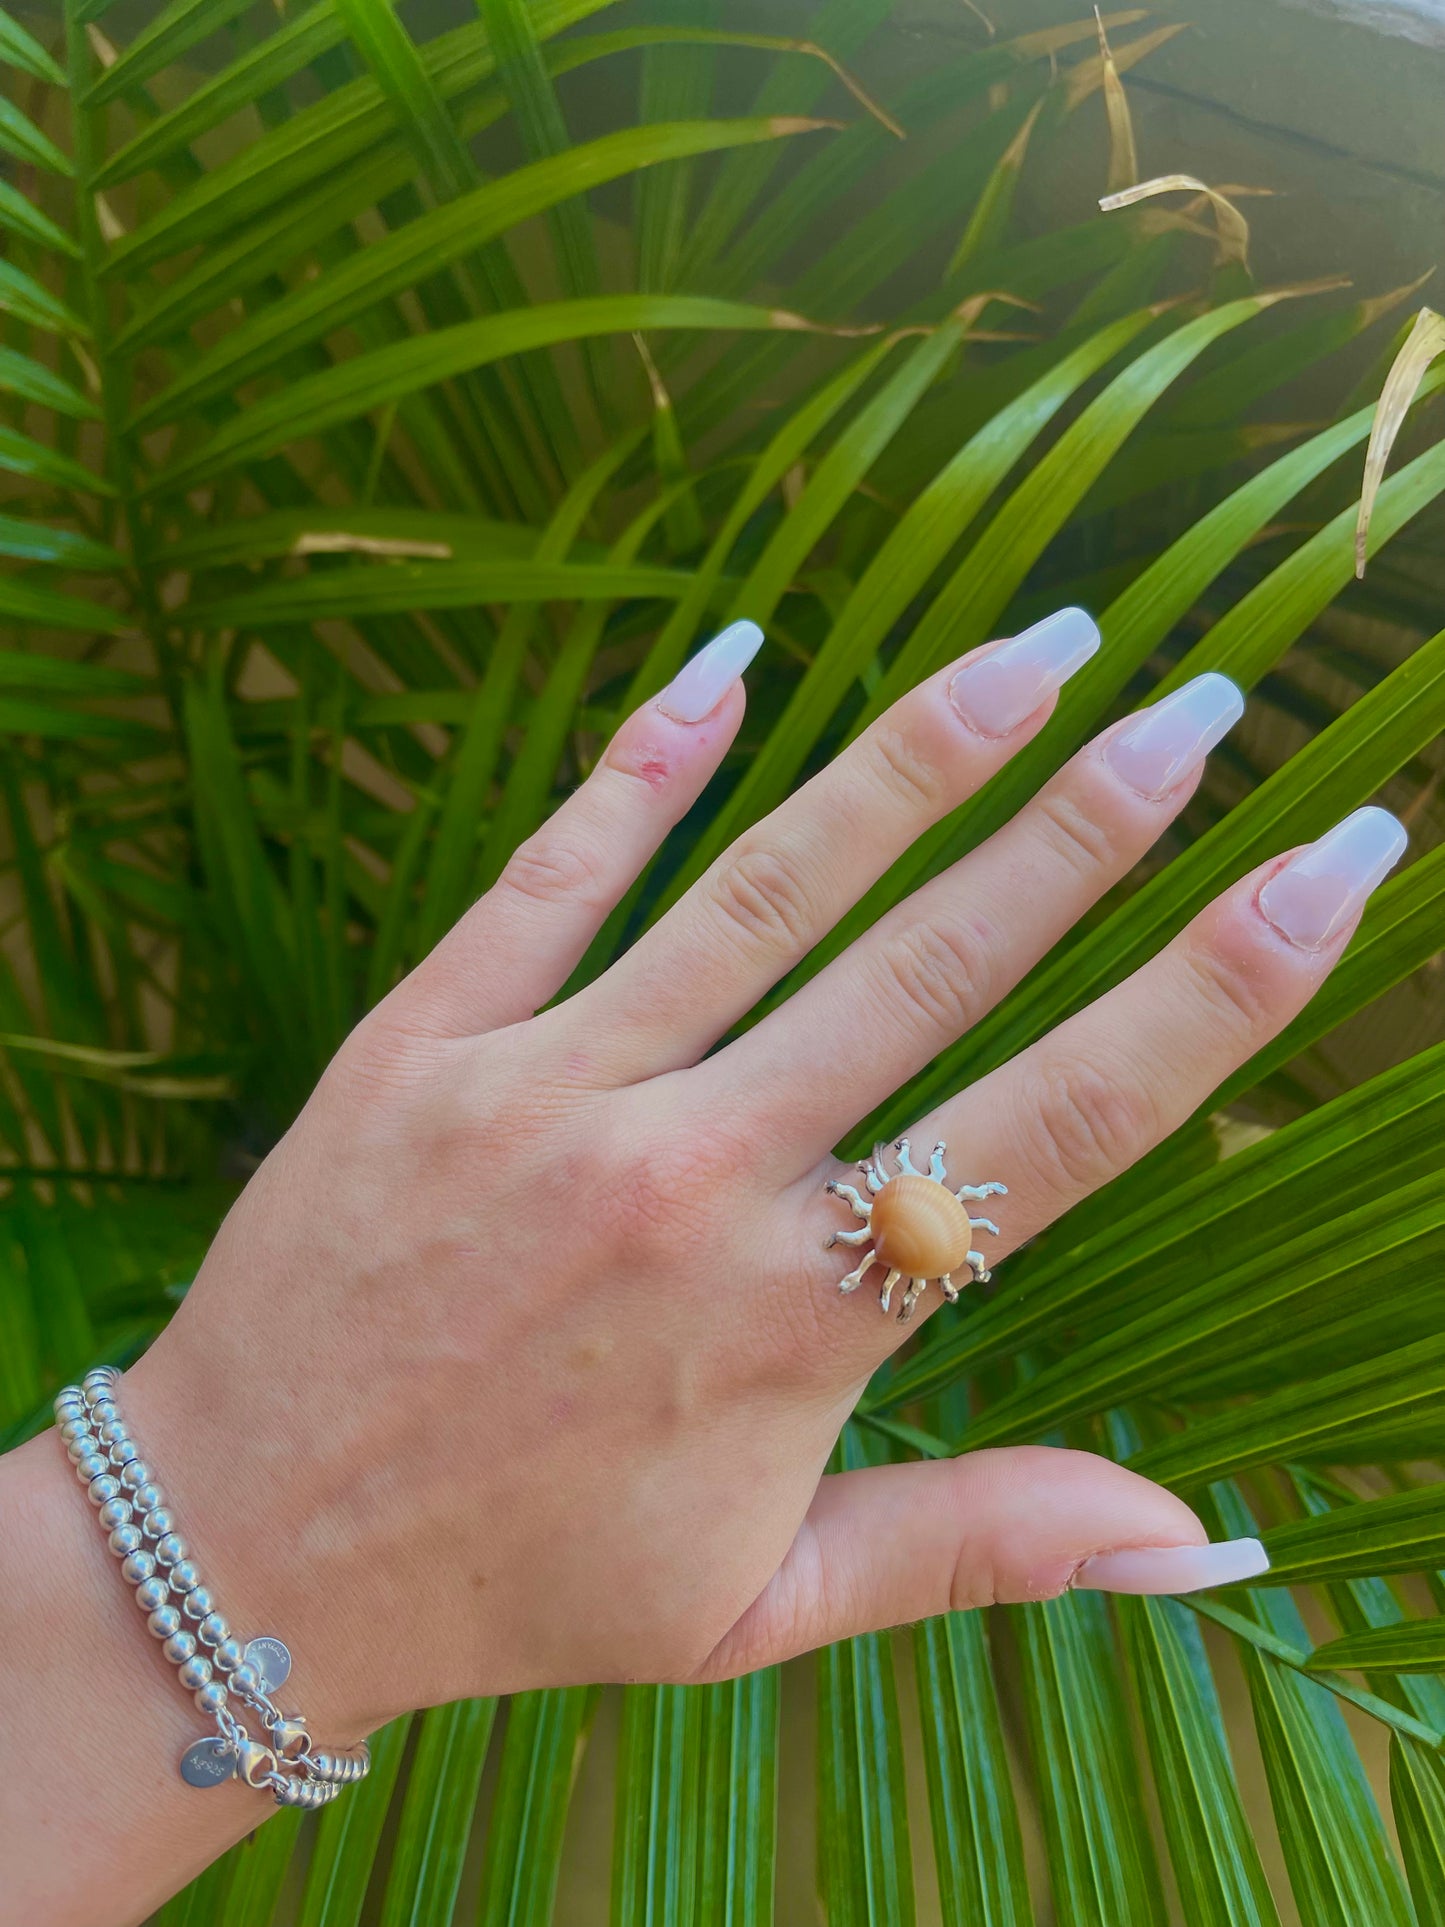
1166 1569
704 679
1158 748
996 692
1322 889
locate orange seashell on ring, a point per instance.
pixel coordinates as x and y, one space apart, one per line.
920 1228
915 1225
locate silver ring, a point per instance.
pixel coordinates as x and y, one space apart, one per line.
916 1225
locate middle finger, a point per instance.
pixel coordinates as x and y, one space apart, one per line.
941 959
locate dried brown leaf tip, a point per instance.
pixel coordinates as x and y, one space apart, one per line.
1123 159
1231 230
1084 76
343 542
1424 343
855 87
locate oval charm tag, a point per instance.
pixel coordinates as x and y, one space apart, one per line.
271 1660
207 1763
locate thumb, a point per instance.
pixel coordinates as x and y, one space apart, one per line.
898 1542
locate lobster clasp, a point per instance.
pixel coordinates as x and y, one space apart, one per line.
254 1763
290 1737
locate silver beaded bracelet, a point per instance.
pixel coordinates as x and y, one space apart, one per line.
168 1589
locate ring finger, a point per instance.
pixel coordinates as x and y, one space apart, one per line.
1087 1101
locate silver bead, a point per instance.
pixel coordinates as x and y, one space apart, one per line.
78 1449
69 1403
171 1548
122 1451
103 1411
111 1429
136 1474
117 1512
125 1540
245 1678
213 1628
185 1577
157 1524
198 1603
74 1428
164 1621
97 1383
195 1673
102 1488
89 1466
179 1647
212 1696
151 1593
148 1496
228 1655
138 1566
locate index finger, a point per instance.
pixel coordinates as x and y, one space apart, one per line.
785 882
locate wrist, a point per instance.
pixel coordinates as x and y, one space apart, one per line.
97 1822
276 1561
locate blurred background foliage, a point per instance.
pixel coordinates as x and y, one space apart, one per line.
389 400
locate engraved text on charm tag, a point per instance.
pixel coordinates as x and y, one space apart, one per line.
207 1763
271 1660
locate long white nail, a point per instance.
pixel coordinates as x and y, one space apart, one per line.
996 692
1165 1569
1324 888
699 686
1159 746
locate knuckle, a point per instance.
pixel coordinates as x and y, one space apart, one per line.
941 972
664 1185
1072 835
1086 1123
1232 987
764 896
818 1342
383 1064
479 1121
548 869
901 772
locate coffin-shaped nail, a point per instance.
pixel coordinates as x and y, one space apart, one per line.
1322 889
699 686
1159 747
996 692
1165 1569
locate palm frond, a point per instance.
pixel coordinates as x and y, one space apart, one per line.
361 466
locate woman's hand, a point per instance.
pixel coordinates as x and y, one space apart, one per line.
520 1359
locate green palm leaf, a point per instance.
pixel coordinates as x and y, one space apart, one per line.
342 523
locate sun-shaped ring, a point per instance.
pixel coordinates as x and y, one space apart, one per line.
915 1225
